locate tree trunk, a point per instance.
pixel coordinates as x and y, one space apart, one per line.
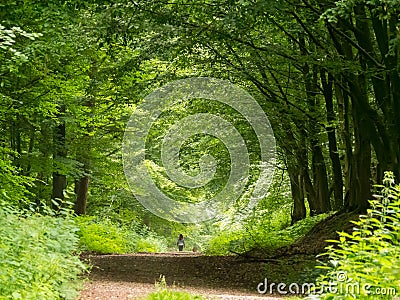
360 191
59 186
299 208
320 179
295 154
82 183
59 151
346 135
319 173
81 191
333 149
83 155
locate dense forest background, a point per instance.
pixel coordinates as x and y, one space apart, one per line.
326 73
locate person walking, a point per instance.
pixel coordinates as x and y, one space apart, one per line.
181 242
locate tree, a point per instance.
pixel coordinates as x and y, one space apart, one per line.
51 123
304 67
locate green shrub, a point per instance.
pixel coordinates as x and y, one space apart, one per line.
150 244
224 243
369 257
290 234
13 187
259 237
102 236
37 258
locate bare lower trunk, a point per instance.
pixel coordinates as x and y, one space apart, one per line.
59 185
332 142
320 181
299 208
59 152
81 190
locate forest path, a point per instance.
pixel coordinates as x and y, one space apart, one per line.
133 275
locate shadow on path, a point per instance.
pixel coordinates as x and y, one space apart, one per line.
217 275
180 269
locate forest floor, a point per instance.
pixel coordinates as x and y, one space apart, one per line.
133 276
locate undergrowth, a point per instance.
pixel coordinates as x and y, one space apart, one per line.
366 263
104 236
172 295
259 236
163 293
38 258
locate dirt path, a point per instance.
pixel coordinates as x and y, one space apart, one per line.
132 276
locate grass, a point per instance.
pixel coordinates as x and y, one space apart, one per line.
172 295
164 293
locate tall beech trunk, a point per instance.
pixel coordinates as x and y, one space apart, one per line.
299 208
387 92
59 152
81 191
327 85
319 173
320 179
346 136
83 153
82 183
360 191
302 160
295 155
353 95
360 173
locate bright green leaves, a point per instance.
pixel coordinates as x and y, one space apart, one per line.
105 236
62 77
36 257
8 38
14 188
370 255
384 9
